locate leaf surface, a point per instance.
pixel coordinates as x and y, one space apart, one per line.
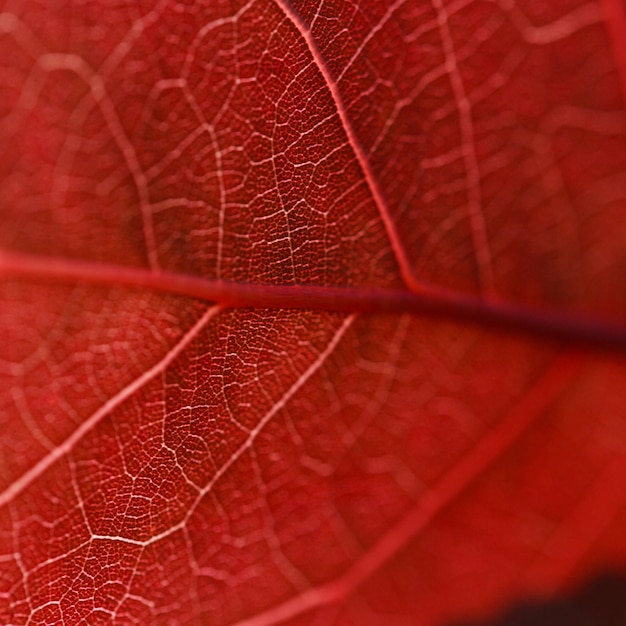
169 457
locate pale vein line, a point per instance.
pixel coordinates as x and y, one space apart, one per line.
392 233
250 439
471 467
474 204
615 23
97 87
286 397
557 30
64 448
389 13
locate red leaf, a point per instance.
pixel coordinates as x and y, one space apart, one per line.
313 311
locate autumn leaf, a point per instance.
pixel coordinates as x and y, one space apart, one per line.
313 312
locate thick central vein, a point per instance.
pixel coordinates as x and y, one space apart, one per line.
435 303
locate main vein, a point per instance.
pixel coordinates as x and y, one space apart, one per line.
434 303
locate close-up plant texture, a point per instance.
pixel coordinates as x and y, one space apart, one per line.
313 312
